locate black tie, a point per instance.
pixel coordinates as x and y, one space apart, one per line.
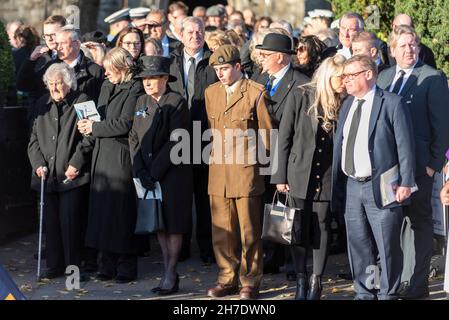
349 156
398 84
191 81
270 83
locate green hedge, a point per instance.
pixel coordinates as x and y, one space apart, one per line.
6 61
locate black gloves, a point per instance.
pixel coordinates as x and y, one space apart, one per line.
147 181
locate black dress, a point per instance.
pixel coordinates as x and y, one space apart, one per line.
151 148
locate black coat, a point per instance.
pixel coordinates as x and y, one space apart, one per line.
55 142
112 209
151 146
292 79
305 150
89 75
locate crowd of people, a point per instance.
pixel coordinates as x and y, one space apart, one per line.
349 109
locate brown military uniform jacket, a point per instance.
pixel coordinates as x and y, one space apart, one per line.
234 165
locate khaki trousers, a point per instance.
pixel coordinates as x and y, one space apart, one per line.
229 215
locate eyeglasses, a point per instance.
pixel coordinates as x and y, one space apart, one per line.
265 55
49 36
134 44
55 83
149 26
351 76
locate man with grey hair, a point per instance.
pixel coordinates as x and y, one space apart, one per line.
425 91
425 53
351 23
190 65
282 24
89 75
59 154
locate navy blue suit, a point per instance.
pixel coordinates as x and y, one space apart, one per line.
372 228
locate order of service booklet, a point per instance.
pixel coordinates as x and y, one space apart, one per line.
389 181
87 110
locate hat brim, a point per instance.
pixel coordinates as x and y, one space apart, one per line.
148 74
261 47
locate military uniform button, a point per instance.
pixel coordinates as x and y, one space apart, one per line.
317 190
319 150
318 164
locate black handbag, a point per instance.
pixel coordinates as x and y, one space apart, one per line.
278 221
149 215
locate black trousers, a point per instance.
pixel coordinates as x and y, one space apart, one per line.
420 214
66 221
122 265
310 231
203 215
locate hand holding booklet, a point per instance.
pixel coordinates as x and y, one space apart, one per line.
389 181
87 110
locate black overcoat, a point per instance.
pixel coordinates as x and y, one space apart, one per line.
151 149
112 208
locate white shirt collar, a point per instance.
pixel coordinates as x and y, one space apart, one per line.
407 71
74 63
280 74
369 96
235 84
198 56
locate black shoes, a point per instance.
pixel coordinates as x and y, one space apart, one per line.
103 277
301 286
174 289
405 293
207 259
315 288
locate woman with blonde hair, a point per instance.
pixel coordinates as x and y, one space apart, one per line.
216 39
112 204
305 160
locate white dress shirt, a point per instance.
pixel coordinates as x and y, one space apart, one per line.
198 57
407 74
165 46
280 74
345 52
362 161
74 63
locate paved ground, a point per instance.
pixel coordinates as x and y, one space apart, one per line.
17 258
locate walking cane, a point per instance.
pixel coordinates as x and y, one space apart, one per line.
41 218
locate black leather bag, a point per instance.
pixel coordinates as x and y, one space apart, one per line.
278 221
149 215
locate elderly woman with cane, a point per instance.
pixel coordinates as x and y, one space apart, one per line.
159 114
61 155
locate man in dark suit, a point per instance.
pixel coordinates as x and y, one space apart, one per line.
190 65
425 53
156 27
425 93
374 135
275 53
279 79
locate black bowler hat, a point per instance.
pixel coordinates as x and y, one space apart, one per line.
277 42
155 66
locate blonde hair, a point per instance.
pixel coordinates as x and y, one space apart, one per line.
119 60
216 38
400 30
327 102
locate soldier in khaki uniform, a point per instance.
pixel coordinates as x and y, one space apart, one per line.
233 106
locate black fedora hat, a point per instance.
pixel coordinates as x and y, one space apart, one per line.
277 42
152 66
